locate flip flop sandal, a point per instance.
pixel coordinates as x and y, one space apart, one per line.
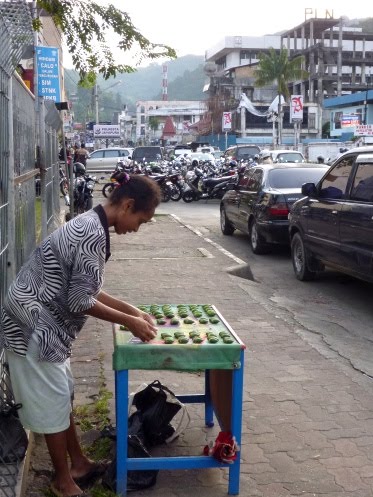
58 493
93 474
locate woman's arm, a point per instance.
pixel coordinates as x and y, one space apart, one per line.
139 326
122 306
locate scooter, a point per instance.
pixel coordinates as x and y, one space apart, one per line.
200 187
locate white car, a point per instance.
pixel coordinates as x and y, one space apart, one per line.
287 156
104 160
196 157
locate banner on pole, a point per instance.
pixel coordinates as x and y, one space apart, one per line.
226 121
296 111
47 62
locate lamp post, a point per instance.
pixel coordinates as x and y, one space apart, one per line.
96 102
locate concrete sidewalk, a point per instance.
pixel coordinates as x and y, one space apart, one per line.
307 416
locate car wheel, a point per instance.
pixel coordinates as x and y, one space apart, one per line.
226 227
299 258
258 246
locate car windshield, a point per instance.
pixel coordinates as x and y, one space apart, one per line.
294 177
289 157
247 152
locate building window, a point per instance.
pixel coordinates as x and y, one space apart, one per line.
142 119
221 63
187 118
142 110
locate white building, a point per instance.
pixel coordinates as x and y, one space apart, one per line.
151 116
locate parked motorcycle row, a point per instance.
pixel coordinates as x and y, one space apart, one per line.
180 179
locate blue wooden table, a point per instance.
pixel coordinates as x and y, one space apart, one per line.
130 354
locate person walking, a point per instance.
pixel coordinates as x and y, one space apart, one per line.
47 305
81 154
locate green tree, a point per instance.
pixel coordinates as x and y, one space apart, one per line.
276 67
88 31
153 123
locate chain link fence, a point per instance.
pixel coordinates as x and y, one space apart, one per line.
21 220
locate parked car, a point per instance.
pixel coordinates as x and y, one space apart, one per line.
260 203
197 157
287 156
333 224
152 153
104 160
241 152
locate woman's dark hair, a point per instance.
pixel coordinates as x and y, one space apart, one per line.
143 190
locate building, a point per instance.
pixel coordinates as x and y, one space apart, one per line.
348 113
338 58
151 117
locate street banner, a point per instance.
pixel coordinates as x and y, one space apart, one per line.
106 130
48 71
364 130
296 109
226 121
349 120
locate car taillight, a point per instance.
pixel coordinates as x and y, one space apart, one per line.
280 209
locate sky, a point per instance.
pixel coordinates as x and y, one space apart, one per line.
194 26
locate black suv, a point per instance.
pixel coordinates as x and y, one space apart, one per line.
147 154
241 152
333 225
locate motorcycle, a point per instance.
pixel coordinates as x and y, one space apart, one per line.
64 186
121 167
201 187
83 190
177 186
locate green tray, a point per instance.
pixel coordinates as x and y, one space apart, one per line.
131 353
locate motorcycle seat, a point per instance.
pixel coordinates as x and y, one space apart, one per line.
216 181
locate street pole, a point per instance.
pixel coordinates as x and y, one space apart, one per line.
96 107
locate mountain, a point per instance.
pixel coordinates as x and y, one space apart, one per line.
185 82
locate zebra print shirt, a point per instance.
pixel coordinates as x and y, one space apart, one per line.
59 282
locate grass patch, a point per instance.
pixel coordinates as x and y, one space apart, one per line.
96 415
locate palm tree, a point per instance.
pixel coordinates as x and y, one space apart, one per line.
276 67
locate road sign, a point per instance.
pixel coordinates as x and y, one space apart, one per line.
106 131
47 61
364 130
296 113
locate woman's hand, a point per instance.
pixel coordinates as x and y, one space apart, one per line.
147 317
142 328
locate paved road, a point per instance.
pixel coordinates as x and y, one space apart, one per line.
335 308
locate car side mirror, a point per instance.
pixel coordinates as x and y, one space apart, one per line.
129 157
309 189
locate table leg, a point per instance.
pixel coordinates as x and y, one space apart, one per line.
209 411
237 399
121 389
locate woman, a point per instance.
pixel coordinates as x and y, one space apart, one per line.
46 307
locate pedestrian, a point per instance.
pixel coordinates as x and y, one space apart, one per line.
320 159
81 154
47 305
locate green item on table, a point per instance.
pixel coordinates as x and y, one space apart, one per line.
197 339
161 321
168 340
228 340
213 340
214 320
174 321
183 339
188 321
203 320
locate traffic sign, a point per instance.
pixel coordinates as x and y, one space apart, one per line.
47 62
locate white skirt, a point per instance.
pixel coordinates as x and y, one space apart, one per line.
45 390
